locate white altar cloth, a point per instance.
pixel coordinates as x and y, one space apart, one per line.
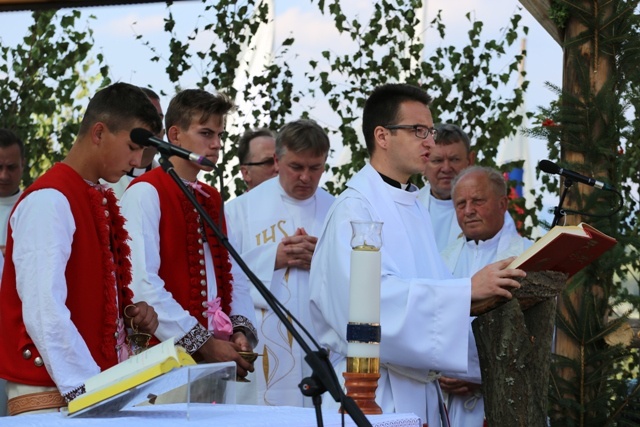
220 415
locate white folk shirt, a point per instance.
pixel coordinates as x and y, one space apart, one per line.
141 207
6 206
257 222
465 258
424 310
43 228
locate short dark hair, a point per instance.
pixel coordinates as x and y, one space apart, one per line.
245 141
381 108
119 106
8 138
150 93
191 102
302 135
448 133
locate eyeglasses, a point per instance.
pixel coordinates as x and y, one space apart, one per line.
421 132
268 162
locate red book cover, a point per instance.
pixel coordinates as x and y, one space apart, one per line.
567 249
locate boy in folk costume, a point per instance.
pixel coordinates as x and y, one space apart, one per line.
178 262
64 297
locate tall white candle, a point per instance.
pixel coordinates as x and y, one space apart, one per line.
364 294
364 289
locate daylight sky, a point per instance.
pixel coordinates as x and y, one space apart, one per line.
129 60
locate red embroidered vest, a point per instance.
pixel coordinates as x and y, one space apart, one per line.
182 259
91 274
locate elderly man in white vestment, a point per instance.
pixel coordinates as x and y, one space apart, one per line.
450 155
480 199
274 227
424 310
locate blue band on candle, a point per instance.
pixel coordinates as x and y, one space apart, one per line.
363 332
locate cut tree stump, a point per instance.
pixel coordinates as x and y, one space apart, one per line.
514 348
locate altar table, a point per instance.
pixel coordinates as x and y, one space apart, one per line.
209 415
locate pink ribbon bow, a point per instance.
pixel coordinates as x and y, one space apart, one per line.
197 187
219 322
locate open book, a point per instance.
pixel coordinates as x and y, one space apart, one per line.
131 373
567 249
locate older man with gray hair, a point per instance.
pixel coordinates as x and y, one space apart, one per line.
450 155
479 196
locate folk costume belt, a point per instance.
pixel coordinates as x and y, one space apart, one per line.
35 402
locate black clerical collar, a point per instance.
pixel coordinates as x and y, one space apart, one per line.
392 182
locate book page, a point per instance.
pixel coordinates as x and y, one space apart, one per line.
199 381
152 356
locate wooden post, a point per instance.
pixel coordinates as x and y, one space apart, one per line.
598 65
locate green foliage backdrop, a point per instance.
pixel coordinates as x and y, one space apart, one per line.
466 88
592 128
45 81
42 83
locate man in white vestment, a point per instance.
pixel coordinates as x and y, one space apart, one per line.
424 310
256 153
12 163
274 227
480 199
450 155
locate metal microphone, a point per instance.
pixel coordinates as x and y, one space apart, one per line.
550 167
147 139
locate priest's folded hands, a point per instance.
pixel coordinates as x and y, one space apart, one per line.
296 251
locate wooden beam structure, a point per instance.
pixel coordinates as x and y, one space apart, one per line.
539 9
17 5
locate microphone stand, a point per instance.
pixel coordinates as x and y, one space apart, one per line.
323 377
558 212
